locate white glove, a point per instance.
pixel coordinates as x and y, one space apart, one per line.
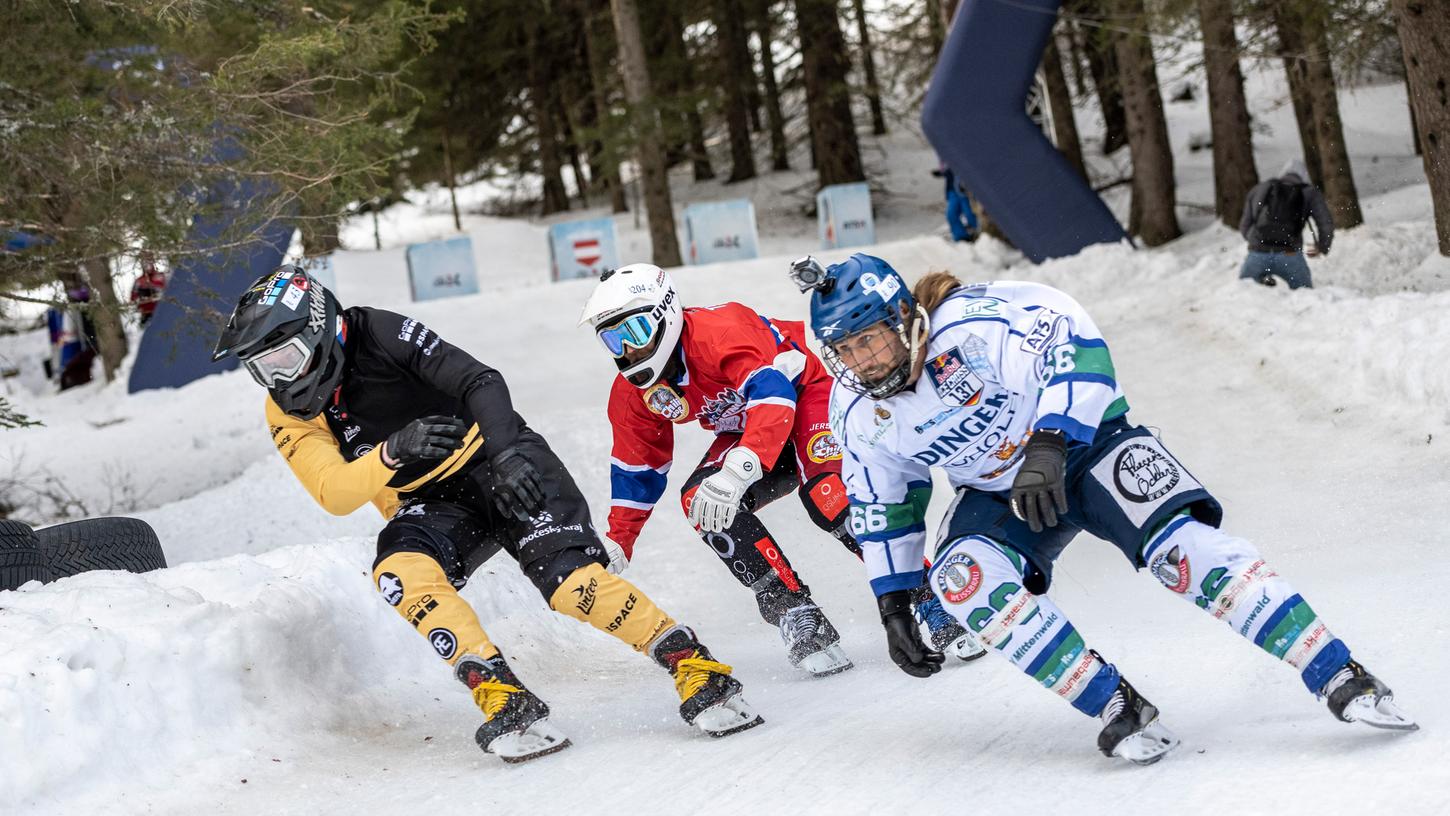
718 497
617 559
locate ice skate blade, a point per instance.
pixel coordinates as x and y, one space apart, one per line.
828 661
1147 746
966 648
539 739
726 718
1379 713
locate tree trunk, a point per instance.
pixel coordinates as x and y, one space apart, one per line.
105 310
450 177
779 147
1317 75
1147 133
936 29
572 148
1339 188
828 100
599 44
1303 104
1414 123
1424 27
1059 99
1234 173
663 242
546 128
734 47
685 86
868 64
1074 53
1102 60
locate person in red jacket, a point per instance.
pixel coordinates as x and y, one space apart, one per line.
754 383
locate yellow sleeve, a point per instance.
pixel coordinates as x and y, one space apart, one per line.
311 450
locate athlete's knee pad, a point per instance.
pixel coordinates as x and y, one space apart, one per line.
414 584
549 572
1226 577
824 496
610 604
982 584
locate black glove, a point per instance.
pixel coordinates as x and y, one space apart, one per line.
1040 484
430 437
903 638
517 490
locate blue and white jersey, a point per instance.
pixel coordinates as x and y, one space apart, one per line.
1003 359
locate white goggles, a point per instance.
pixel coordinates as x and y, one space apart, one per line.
280 364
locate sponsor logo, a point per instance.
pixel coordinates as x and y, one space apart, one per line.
550 530
587 251
828 499
954 380
409 510
1171 568
428 352
1070 683
444 642
824 447
1027 645
662 399
958 578
726 242
275 429
362 450
392 588
543 519
883 288
406 332
726 411
316 313
443 281
349 433
967 431
1143 474
1257 572
938 419
882 414
585 602
284 441
293 296
623 613
1254 614
1308 645
420 609
982 307
722 544
1044 333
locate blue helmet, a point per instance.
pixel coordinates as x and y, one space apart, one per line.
849 297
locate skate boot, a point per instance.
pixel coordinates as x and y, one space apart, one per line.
945 633
515 725
1355 695
710 698
811 642
1131 729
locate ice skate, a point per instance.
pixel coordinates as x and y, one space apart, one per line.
710 698
811 642
1355 695
516 727
944 632
1131 729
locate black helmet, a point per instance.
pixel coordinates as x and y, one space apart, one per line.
287 330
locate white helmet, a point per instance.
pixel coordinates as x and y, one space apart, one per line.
636 306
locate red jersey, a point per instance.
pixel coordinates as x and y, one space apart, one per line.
742 374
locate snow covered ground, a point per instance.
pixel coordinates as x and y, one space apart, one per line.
260 673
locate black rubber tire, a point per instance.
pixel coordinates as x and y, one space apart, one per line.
101 544
20 557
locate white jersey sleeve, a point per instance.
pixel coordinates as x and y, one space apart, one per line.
1040 343
888 494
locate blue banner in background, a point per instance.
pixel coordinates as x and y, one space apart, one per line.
843 216
440 269
721 231
582 249
975 116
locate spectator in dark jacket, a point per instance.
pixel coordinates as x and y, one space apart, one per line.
1273 224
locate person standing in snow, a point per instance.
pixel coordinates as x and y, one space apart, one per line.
370 406
1275 213
1010 389
753 382
961 220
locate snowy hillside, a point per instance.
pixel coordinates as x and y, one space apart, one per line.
261 674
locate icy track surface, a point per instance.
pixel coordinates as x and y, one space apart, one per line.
277 682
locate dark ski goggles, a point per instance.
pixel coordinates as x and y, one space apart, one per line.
634 331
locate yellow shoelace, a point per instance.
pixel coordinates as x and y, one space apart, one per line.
692 673
492 697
